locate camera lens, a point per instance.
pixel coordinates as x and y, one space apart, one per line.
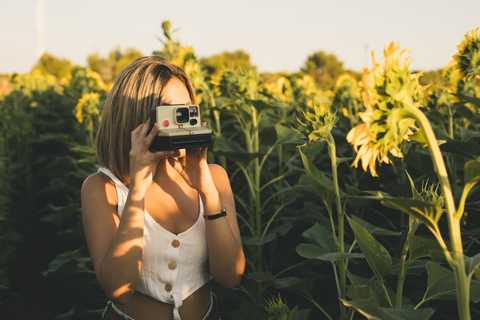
182 115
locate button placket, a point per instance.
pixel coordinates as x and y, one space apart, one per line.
172 256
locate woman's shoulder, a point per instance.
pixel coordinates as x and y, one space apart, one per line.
218 170
219 175
99 185
97 179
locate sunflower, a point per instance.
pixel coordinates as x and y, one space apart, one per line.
389 86
184 55
468 56
452 76
87 106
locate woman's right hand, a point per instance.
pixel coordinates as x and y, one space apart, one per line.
143 163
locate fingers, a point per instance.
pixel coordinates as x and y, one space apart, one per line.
136 133
162 154
203 152
176 165
148 139
140 134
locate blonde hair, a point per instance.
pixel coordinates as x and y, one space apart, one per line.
138 89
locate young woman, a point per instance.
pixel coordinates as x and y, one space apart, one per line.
152 220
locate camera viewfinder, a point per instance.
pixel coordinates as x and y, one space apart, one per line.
193 111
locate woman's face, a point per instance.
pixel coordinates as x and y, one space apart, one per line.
176 92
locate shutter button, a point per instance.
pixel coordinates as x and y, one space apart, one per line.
175 243
172 265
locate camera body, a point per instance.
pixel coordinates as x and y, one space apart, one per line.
180 128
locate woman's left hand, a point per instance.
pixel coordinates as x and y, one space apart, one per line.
195 170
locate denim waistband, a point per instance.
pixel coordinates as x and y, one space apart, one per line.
126 317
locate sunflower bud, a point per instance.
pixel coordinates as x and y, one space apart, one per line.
468 56
319 124
430 194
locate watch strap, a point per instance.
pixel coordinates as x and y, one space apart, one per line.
223 213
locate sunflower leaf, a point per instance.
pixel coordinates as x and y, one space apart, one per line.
376 255
371 310
320 182
426 212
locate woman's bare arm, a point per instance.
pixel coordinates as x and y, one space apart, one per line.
225 250
116 246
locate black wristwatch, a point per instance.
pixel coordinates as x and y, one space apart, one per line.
223 213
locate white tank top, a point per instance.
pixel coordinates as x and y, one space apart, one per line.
173 266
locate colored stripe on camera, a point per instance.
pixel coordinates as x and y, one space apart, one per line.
181 127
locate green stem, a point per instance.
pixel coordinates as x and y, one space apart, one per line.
450 121
403 270
353 312
273 218
419 304
458 263
218 125
253 146
401 275
289 268
309 298
386 293
334 232
341 244
280 159
339 290
91 139
350 251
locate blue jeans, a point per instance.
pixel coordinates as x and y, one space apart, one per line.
212 310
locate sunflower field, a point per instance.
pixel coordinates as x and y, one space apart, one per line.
357 202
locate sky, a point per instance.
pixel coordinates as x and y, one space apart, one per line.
278 35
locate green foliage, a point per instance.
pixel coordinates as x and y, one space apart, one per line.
170 47
44 173
325 69
362 288
441 285
111 66
322 184
51 65
432 78
371 310
226 60
322 246
376 255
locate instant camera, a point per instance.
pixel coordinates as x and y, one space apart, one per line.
180 128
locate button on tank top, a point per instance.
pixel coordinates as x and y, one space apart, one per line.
173 266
